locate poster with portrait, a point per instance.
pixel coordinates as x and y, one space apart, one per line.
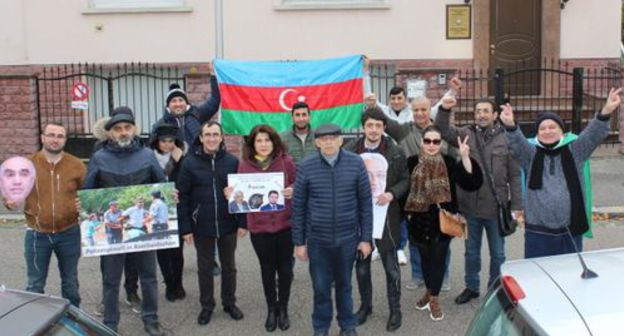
377 169
128 219
17 178
256 192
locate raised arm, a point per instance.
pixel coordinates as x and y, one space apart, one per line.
519 145
443 123
211 106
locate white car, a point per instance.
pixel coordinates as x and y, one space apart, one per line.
548 296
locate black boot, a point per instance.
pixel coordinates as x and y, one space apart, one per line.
271 321
394 321
282 318
362 314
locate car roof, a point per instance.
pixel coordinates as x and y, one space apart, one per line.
559 301
24 313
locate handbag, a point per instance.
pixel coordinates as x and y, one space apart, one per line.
506 223
453 224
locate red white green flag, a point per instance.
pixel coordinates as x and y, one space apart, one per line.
255 93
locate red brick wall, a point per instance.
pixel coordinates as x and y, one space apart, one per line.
19 131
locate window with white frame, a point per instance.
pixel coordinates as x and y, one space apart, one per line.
135 4
333 4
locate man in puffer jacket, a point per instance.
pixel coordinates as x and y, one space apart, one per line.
204 219
123 161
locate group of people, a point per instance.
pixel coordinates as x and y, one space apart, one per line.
327 216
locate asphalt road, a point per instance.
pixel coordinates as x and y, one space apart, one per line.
179 318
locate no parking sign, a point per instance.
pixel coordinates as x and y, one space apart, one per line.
80 96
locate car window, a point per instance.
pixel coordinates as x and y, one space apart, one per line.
75 322
498 316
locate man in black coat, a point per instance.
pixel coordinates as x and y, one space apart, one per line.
397 185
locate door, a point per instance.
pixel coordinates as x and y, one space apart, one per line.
515 43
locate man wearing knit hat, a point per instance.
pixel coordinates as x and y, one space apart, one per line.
187 117
555 213
123 161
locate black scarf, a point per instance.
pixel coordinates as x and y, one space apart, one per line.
578 216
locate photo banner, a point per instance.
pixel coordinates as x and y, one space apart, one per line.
256 192
128 219
254 92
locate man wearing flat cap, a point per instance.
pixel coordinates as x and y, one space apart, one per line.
332 223
123 161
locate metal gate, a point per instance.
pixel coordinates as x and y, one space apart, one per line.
140 86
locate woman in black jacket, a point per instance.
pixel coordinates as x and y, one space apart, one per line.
433 182
169 152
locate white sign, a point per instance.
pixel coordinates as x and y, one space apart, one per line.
256 192
416 88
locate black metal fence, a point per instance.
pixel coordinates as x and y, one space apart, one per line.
575 93
141 86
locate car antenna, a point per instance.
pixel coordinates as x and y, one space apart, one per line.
587 273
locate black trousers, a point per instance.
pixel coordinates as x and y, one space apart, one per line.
131 274
433 259
205 247
393 279
171 262
275 253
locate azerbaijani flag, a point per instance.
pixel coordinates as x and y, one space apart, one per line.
255 93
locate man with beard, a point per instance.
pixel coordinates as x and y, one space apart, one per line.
299 140
51 217
123 161
481 206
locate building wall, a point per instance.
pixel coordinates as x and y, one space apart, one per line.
591 29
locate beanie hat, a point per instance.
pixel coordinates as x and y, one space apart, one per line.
175 91
549 115
120 114
164 131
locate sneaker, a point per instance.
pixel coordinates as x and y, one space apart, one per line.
402 257
134 301
375 255
216 270
99 310
435 309
154 329
414 284
446 285
423 303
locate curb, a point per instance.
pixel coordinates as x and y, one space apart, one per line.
611 211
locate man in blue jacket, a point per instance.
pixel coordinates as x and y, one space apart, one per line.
123 161
332 223
204 218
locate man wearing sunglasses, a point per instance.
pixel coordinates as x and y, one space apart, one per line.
480 206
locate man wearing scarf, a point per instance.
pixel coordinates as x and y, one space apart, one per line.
555 213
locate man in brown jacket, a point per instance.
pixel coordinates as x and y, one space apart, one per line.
51 214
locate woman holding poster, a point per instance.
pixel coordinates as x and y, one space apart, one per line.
271 228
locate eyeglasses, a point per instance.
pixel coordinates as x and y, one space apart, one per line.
436 142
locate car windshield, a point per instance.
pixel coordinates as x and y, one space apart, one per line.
499 316
74 322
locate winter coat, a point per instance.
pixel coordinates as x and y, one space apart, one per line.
203 208
397 183
298 149
332 205
274 221
498 160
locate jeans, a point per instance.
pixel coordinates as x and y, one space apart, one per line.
472 255
332 264
38 248
112 267
171 262
274 251
205 247
393 280
404 234
417 273
539 244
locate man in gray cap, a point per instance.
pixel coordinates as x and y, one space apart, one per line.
332 223
123 161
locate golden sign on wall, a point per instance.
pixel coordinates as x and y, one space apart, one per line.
458 22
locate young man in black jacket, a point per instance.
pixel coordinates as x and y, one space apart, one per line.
204 219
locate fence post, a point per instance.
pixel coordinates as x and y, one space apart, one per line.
577 99
111 98
499 89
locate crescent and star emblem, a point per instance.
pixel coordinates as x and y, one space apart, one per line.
282 97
